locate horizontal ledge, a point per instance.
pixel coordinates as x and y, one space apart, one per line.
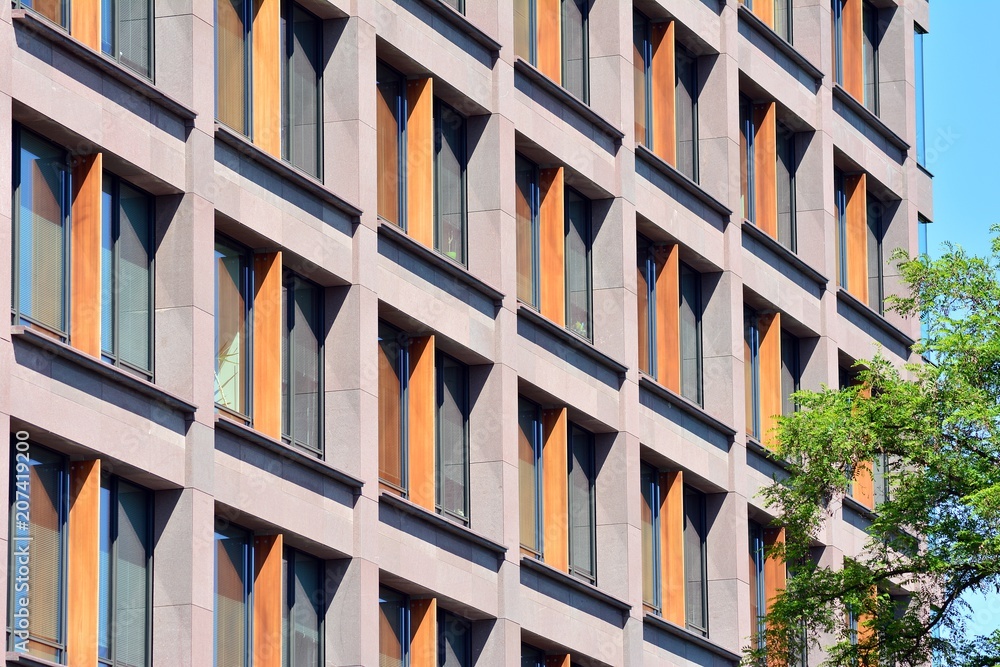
61 39
775 39
438 521
582 109
431 256
869 118
102 368
570 338
16 658
568 580
685 405
460 21
792 258
692 188
858 507
317 188
285 451
691 637
753 445
872 316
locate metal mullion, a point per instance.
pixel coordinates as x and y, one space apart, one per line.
288 325
536 241
113 566
403 361
539 478
16 226
438 409
65 181
652 308
248 69
116 209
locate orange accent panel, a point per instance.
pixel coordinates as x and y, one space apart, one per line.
668 304
765 168
764 10
422 397
552 249
85 22
420 160
84 563
853 51
267 324
775 575
555 490
557 660
85 255
549 38
266 68
672 541
268 600
664 96
770 375
857 235
423 633
864 484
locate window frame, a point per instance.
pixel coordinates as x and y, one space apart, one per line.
759 594
748 160
290 279
534 204
652 483
681 54
246 257
699 310
538 443
640 20
403 373
439 107
584 47
840 206
439 474
649 271
875 208
870 20
386 594
400 118
837 14
229 530
751 337
287 10
247 129
588 240
702 499
112 49
571 430
793 345
785 133
288 583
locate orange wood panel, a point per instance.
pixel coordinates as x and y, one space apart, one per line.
764 9
857 235
268 600
267 325
864 484
672 545
423 633
852 46
775 574
85 22
549 38
555 490
552 230
85 255
668 304
421 394
664 96
84 563
266 28
770 376
420 160
563 660
765 167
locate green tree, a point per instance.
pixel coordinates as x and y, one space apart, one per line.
937 535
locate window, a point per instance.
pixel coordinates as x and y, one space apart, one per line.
402 619
232 328
126 276
527 210
532 657
840 209
861 228
747 187
791 371
124 611
857 69
457 5
785 167
565 60
127 33
578 264
767 171
393 629
695 561
39 480
286 125
41 235
530 475
391 157
452 438
393 370
454 641
302 618
751 369
450 212
56 11
582 519
686 90
302 364
871 37
876 260
690 333
758 585
233 615
642 78
651 547
918 92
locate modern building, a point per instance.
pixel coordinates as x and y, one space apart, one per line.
431 332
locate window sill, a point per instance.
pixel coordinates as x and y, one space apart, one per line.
288 452
859 508
685 183
753 445
685 405
460 21
776 40
870 119
691 637
784 253
441 523
59 38
15 658
569 581
554 89
439 261
284 170
863 309
111 373
570 339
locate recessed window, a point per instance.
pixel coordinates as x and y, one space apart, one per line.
563 54
529 458
302 364
582 507
768 163
232 328
301 88
127 33
303 610
695 561
450 208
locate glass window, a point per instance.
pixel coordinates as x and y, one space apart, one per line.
127 33
530 474
232 310
532 657
449 182
758 595
578 268
232 64
39 499
686 71
454 641
918 93
392 369
870 41
126 276
56 11
837 42
840 210
393 630
389 120
575 47
783 19
301 73
582 521
124 612
791 371
690 333
785 176
526 204
747 198
452 438
751 370
457 5
876 270
695 566
646 294
524 30
303 610
650 509
233 615
642 58
302 364
41 242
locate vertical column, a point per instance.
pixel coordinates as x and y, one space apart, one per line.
672 545
664 99
552 245
85 257
422 394
668 342
268 600
769 364
266 70
555 491
267 323
420 160
84 563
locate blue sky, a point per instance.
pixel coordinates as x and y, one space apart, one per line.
962 79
